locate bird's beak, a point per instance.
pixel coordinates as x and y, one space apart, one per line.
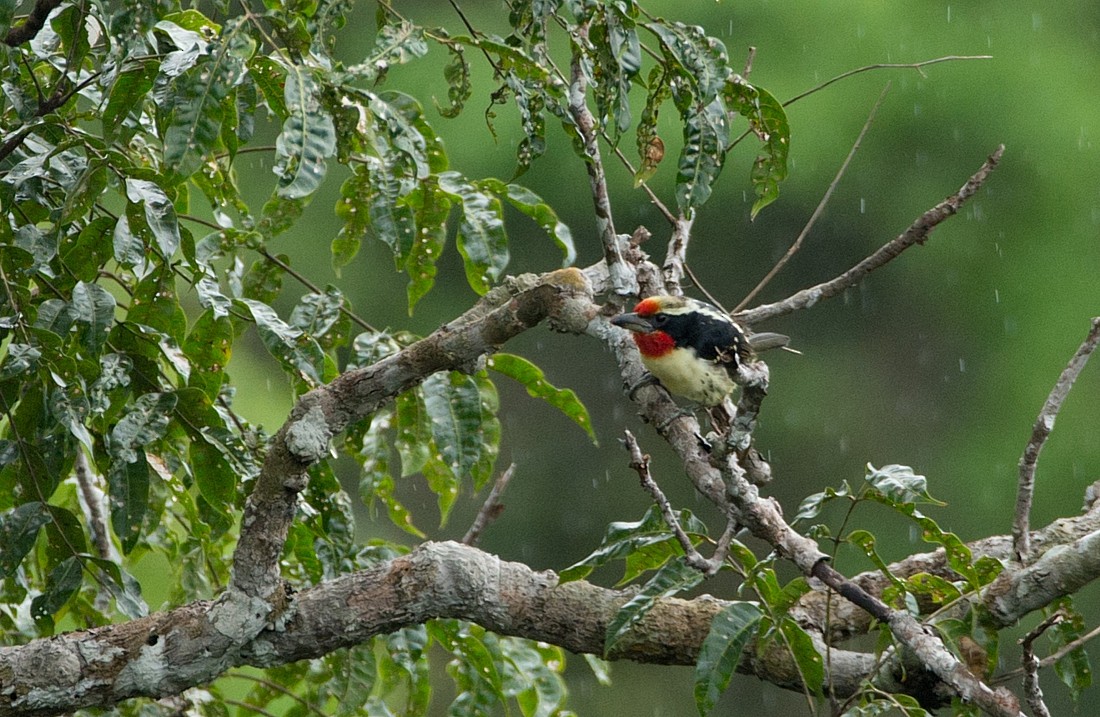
632 322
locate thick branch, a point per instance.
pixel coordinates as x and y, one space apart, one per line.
34 22
917 233
167 653
324 412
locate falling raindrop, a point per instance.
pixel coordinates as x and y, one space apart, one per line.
962 365
862 205
996 296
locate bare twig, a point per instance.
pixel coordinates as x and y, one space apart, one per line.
748 62
491 508
640 463
820 205
917 233
918 66
623 281
1032 691
1044 424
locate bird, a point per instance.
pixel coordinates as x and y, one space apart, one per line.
691 347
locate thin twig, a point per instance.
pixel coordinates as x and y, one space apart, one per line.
1044 424
640 463
623 280
491 508
918 66
917 233
1052 657
820 205
748 62
1032 691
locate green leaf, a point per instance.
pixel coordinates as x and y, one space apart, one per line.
899 484
532 378
865 541
698 59
674 578
270 78
18 531
431 207
811 666
159 214
481 239
61 584
482 470
320 316
768 120
128 484
625 538
197 113
459 89
533 206
156 305
730 630
214 474
308 137
123 587
299 353
413 431
126 96
143 423
208 347
812 505
94 306
706 136
453 405
92 248
375 479
1074 669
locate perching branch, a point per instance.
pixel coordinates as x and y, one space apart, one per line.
1044 424
917 233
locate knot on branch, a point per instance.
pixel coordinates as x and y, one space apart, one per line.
308 435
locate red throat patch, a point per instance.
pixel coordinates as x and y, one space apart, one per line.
654 344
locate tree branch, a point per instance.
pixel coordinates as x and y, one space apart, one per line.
1044 424
512 308
34 22
622 278
917 233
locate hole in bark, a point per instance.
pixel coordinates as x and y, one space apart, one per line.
152 639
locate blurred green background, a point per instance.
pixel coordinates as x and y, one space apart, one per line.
939 361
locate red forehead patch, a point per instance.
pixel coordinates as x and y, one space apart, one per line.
647 307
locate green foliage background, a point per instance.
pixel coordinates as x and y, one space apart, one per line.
939 361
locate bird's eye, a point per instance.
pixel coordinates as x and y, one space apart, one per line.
660 319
